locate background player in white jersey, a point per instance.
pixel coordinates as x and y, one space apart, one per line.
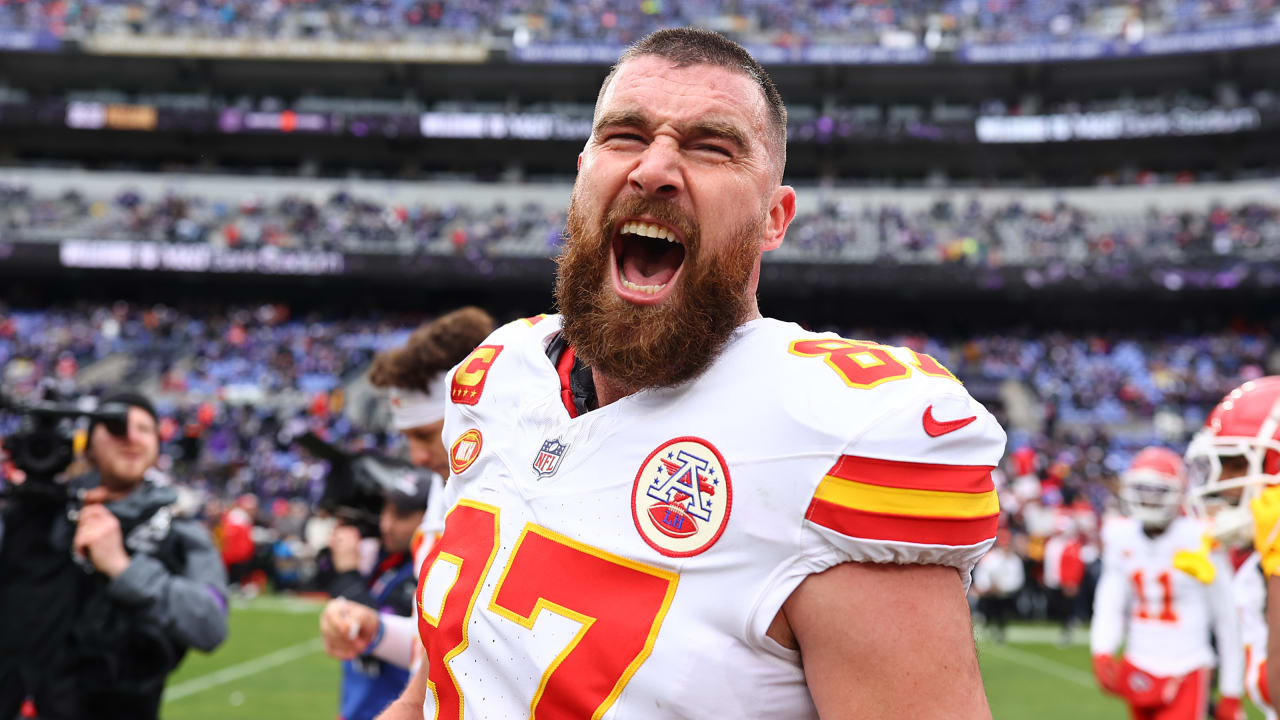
660 500
1235 461
414 377
1164 599
1250 592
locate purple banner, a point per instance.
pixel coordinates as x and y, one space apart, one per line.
42 41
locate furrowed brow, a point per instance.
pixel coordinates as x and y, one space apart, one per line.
705 128
620 118
721 129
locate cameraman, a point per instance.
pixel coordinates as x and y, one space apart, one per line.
98 607
368 683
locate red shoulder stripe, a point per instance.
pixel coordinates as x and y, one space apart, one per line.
914 475
901 528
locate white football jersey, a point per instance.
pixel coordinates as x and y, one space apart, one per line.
627 563
432 525
1250 591
1165 616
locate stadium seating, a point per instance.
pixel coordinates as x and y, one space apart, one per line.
245 382
935 24
977 229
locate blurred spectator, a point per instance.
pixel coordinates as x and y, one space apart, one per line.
997 579
385 585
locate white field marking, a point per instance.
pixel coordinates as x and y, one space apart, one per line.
1035 635
1041 663
244 669
276 603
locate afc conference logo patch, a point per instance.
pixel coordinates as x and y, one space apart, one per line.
465 450
548 459
682 496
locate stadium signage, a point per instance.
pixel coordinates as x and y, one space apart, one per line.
129 255
27 41
840 55
1175 43
607 54
111 116
232 120
274 49
1115 125
512 126
1043 51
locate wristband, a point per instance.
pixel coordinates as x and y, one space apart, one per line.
377 637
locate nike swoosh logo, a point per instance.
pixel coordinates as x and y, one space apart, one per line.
938 429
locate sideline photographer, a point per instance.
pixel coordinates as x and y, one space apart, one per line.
368 683
103 590
414 376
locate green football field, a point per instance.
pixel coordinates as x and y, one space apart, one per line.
272 666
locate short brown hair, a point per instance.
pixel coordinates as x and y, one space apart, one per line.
432 349
693 46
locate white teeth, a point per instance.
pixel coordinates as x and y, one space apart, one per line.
648 289
648 230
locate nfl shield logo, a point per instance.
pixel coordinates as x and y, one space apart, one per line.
548 459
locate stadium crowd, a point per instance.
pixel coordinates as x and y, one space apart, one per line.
958 231
930 22
236 389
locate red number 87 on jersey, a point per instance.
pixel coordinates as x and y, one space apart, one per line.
619 603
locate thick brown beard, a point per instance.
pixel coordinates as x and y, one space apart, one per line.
652 346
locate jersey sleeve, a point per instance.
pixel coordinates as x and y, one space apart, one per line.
1226 629
915 487
1111 598
432 526
1249 591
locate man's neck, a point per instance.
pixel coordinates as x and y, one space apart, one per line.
609 390
115 489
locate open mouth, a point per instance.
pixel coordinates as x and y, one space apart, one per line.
647 258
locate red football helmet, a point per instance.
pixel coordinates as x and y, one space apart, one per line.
1154 487
1244 431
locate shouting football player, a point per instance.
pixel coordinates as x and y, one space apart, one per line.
1236 460
1165 598
664 505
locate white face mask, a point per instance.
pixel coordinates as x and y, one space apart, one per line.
1154 502
1224 504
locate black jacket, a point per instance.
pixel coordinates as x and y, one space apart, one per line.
87 646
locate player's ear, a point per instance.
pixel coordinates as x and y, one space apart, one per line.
782 210
579 162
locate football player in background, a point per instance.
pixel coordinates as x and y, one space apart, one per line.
1250 591
661 501
1164 598
413 375
996 582
1235 461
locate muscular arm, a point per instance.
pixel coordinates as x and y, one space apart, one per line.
409 705
1273 633
887 641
